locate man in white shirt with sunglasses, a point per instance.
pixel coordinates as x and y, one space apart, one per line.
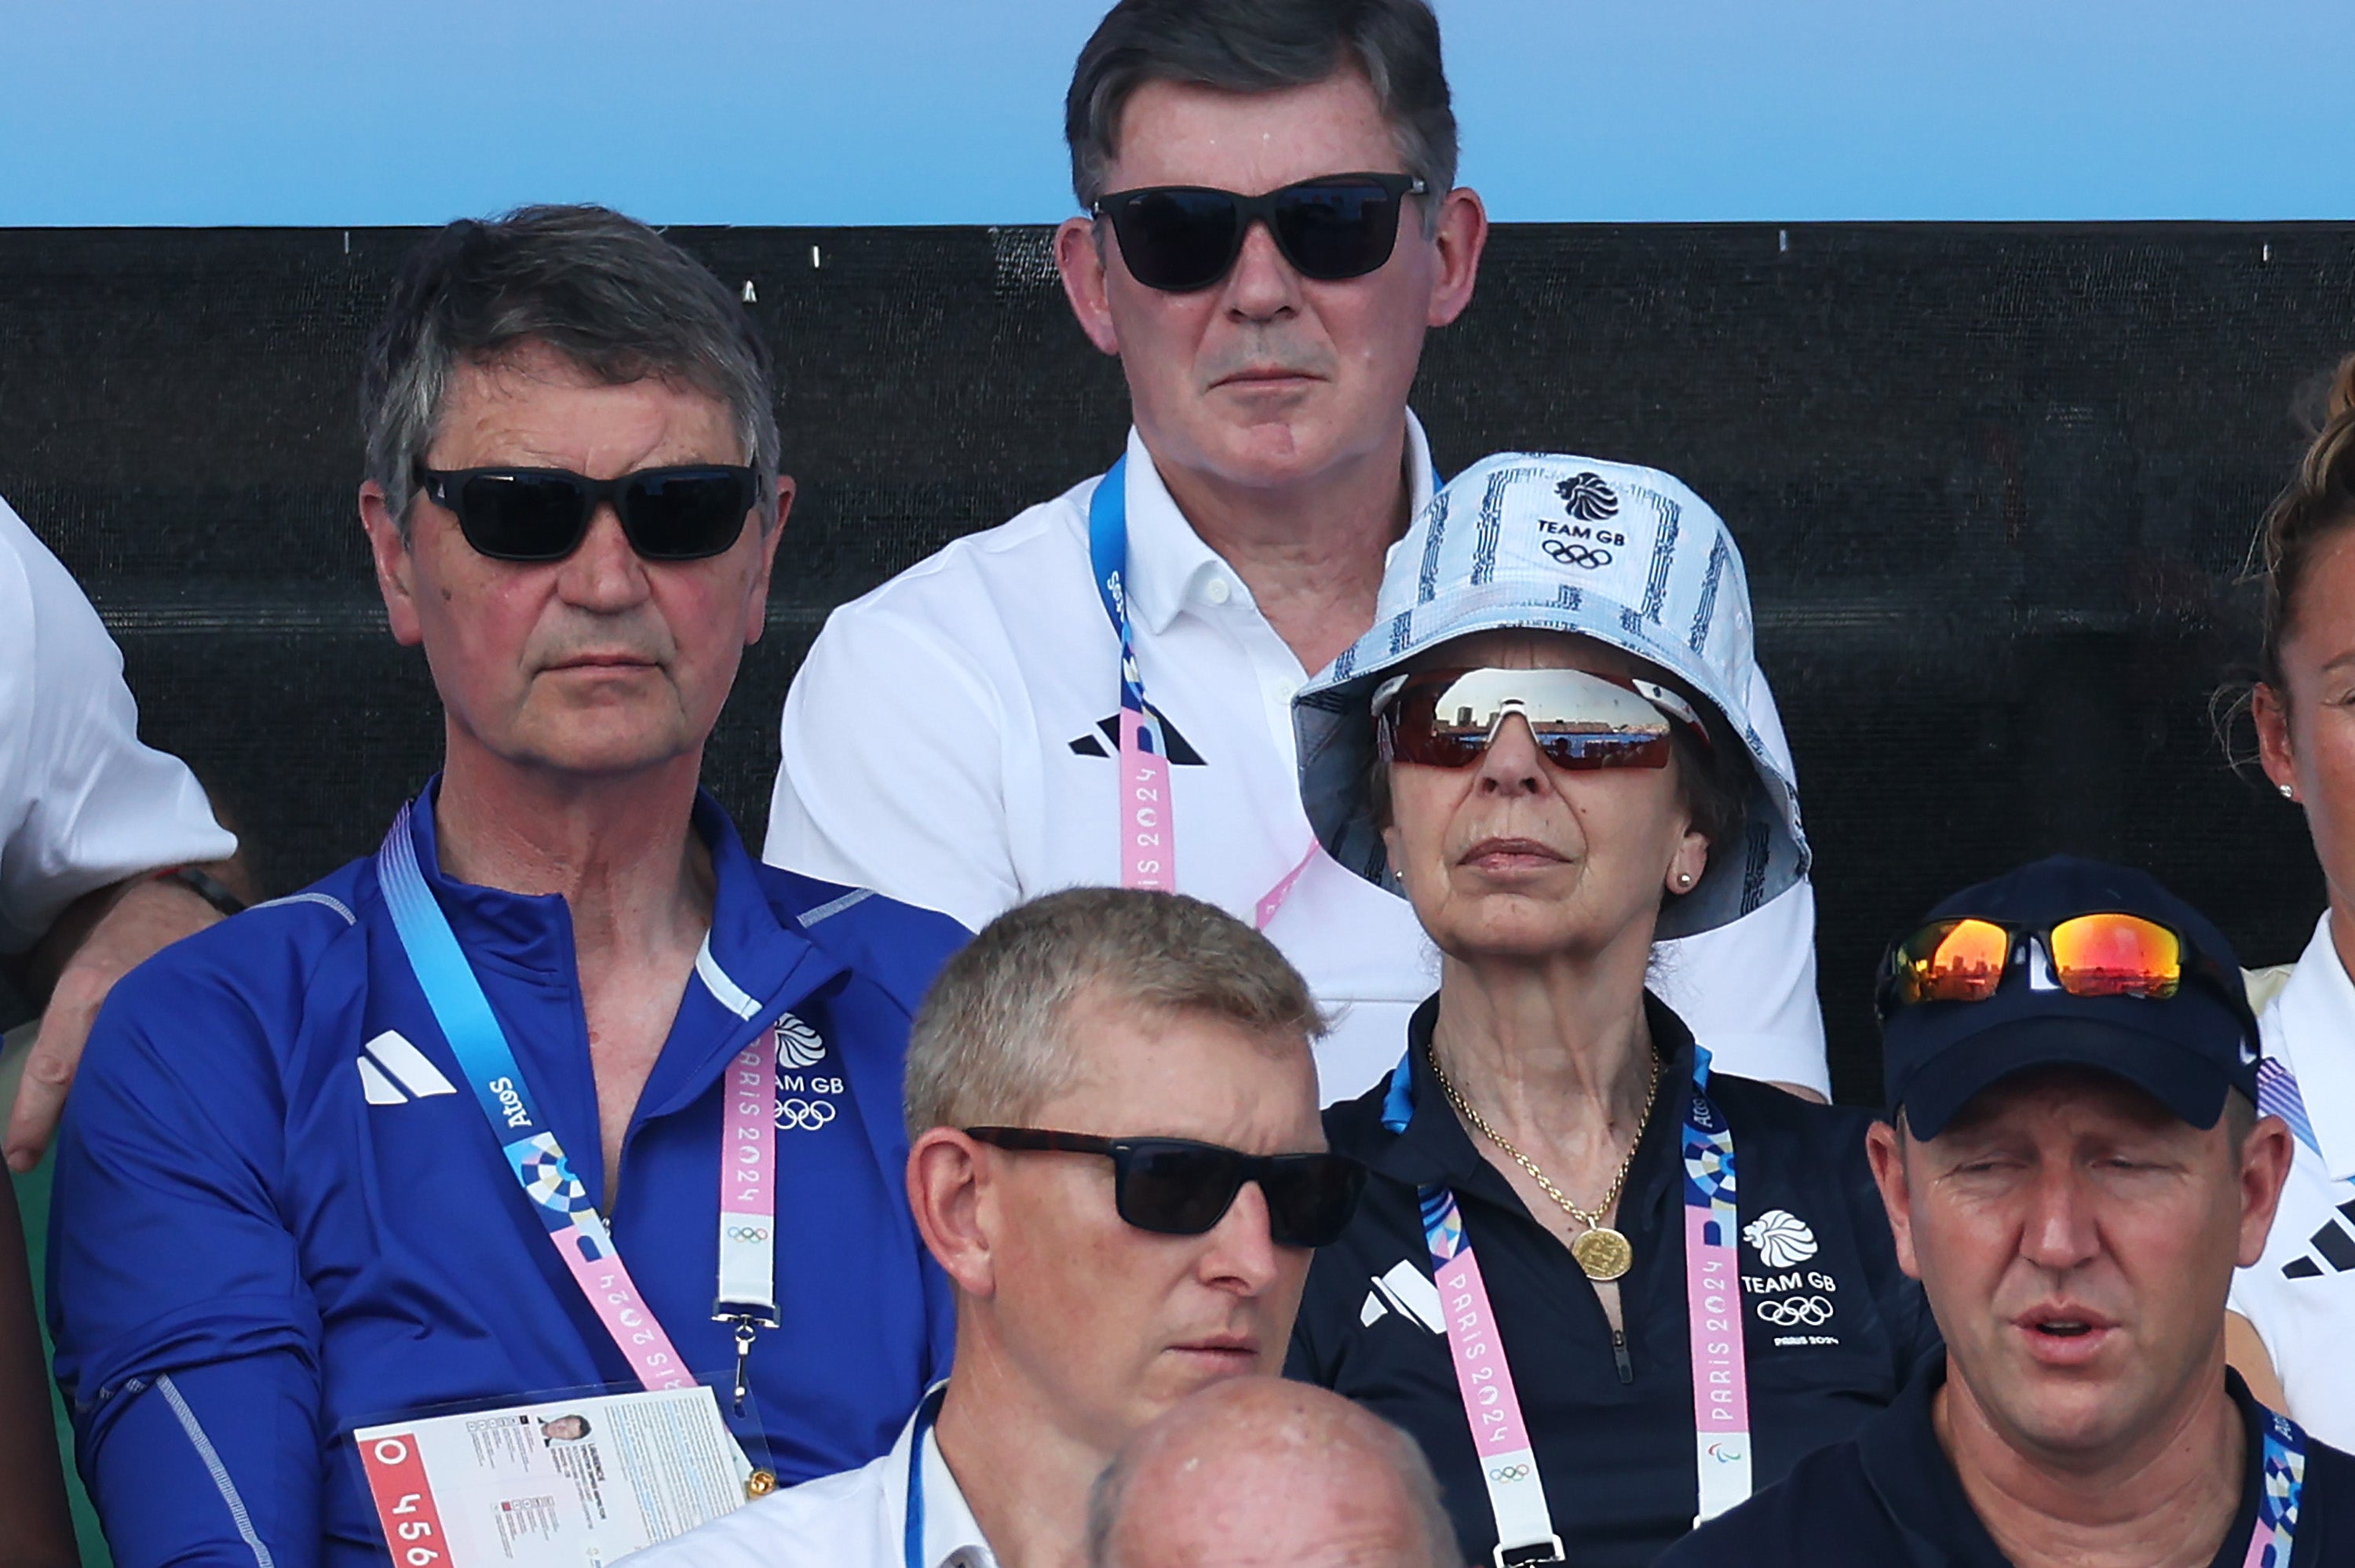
1116 1158
1105 682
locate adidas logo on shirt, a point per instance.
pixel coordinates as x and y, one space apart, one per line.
393 1072
1181 752
2334 1240
1408 1291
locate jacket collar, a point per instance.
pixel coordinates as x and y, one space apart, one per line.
1168 561
756 961
2311 1027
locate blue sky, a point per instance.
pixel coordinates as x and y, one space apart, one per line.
843 112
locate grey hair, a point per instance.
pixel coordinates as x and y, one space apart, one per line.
991 1043
1264 45
604 290
1406 1463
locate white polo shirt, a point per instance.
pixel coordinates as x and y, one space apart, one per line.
2301 1295
82 803
857 1518
952 742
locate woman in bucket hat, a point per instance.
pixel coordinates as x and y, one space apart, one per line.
1554 1281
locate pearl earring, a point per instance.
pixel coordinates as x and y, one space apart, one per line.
1684 879
2287 793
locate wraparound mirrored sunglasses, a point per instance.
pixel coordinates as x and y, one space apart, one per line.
686 513
1179 238
1177 1187
2101 954
1448 718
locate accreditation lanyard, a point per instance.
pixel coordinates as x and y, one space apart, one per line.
1484 1377
913 1531
1148 828
2280 1483
747 1175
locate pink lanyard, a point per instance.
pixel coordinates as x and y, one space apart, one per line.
747 1291
1148 833
1484 1380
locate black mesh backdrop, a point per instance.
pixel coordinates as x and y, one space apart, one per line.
1995 485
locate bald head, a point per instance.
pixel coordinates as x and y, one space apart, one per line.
1258 1472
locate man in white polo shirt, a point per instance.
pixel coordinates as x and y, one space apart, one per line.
972 734
1116 1159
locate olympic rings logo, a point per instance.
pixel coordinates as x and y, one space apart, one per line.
1571 555
804 1116
747 1232
1509 1473
1810 1311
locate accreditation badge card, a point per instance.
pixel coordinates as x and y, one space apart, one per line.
576 1481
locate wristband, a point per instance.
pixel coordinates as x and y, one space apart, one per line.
204 885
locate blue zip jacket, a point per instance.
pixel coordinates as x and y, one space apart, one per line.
272 1228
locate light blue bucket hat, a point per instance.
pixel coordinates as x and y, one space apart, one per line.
1626 556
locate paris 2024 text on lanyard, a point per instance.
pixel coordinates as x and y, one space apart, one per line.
747 1294
1483 1376
1148 827
1721 1453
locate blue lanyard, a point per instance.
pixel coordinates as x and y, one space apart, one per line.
2281 1482
537 1160
1108 559
926 1414
463 1013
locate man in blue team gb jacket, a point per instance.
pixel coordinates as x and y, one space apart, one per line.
445 1129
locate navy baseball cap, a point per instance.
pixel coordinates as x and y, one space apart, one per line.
2185 1051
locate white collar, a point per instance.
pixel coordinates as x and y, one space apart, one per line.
951 1536
1168 561
2311 1027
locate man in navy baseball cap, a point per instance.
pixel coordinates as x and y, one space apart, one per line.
2066 960
2075 1167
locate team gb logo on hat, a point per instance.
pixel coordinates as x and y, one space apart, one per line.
1578 542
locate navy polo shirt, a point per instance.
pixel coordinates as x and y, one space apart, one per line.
1890 1497
1831 1324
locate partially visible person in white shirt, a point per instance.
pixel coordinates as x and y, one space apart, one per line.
1117 1161
87 818
1255 1470
2294 1311
955 739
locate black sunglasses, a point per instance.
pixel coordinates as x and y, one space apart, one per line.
1174 1186
1181 237
542 513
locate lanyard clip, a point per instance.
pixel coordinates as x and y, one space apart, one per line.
746 1325
1531 1553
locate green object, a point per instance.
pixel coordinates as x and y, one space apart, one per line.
33 1202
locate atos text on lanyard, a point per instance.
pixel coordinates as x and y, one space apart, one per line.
747 1291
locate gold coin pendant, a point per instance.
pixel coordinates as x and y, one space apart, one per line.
1602 1252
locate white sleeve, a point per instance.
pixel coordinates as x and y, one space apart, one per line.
1748 990
892 776
82 802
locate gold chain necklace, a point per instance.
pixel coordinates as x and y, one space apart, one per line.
1600 1251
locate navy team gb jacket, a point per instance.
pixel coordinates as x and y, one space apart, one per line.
271 1226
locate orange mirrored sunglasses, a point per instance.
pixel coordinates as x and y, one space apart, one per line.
2090 955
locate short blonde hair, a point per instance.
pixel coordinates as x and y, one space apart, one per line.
990 1044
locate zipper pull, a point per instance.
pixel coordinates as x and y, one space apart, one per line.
1619 1355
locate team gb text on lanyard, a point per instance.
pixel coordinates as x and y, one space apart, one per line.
1484 1377
747 1284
